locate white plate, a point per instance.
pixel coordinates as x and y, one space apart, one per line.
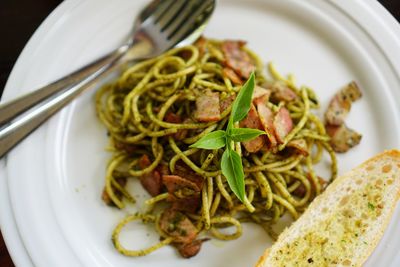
52 214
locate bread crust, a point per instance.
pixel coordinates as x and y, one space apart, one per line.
393 154
263 258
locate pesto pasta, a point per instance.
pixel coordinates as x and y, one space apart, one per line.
150 116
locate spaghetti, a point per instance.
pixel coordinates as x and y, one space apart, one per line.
135 110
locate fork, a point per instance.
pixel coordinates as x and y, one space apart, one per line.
160 26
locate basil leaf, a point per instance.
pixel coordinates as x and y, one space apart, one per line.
244 134
232 169
241 105
230 124
213 140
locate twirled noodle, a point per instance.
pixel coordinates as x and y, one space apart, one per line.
142 252
134 108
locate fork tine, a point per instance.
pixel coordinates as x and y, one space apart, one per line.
160 6
170 13
186 25
163 22
184 13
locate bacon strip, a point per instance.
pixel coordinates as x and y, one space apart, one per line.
107 199
150 181
207 107
267 118
201 44
186 204
283 124
178 226
275 126
175 183
299 146
184 188
189 250
128 148
237 59
231 75
260 95
342 137
226 103
340 104
174 118
281 92
253 121
189 174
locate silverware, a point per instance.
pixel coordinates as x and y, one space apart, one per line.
160 26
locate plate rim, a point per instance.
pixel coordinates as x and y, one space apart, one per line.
10 238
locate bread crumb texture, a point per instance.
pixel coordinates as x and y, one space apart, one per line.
343 226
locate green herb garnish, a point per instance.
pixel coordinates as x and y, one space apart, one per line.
371 206
231 162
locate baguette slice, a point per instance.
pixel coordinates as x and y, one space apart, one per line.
342 226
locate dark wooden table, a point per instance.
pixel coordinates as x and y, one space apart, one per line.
18 21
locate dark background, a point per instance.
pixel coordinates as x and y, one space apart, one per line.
18 21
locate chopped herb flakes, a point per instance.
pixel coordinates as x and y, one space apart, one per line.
371 206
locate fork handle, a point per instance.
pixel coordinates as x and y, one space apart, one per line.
13 133
11 109
35 108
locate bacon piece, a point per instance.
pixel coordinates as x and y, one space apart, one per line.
185 54
252 120
260 95
150 181
283 124
231 75
340 104
342 137
163 169
189 174
300 191
174 118
181 134
144 161
281 92
226 103
184 188
106 198
188 250
207 107
178 226
128 148
175 183
237 59
201 44
187 204
299 146
267 118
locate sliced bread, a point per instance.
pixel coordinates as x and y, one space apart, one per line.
343 225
